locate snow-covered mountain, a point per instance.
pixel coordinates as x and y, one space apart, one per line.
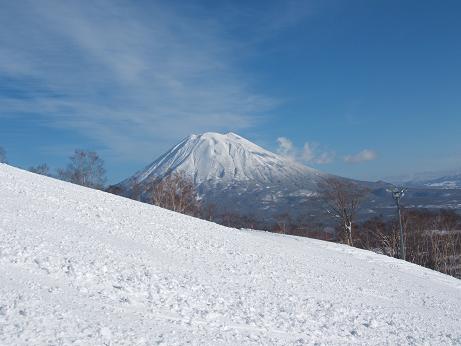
225 159
239 177
84 267
235 174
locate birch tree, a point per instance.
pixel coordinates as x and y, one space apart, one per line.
342 199
86 168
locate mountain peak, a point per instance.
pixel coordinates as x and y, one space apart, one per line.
223 158
217 136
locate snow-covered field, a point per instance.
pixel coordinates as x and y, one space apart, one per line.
83 267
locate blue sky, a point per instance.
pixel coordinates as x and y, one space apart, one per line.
365 89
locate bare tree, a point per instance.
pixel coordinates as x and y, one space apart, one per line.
175 192
283 223
86 168
434 241
419 224
208 211
451 243
42 169
250 222
380 236
342 199
3 156
448 220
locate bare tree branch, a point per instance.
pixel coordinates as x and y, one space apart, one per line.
42 169
342 199
175 192
86 168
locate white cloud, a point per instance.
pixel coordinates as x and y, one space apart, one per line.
125 75
364 155
325 157
285 147
310 153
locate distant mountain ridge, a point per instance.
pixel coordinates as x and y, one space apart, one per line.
450 179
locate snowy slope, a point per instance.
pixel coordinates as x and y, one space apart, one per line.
84 267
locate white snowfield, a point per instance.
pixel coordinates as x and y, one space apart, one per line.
83 267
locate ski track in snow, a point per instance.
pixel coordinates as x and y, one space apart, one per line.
83 267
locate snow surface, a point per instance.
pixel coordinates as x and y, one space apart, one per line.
84 267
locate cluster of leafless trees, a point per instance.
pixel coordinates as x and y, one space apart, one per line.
175 192
85 168
42 169
282 223
432 238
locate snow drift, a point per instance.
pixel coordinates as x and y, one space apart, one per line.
83 267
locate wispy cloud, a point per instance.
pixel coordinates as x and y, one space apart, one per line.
285 147
127 74
364 155
314 153
310 153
